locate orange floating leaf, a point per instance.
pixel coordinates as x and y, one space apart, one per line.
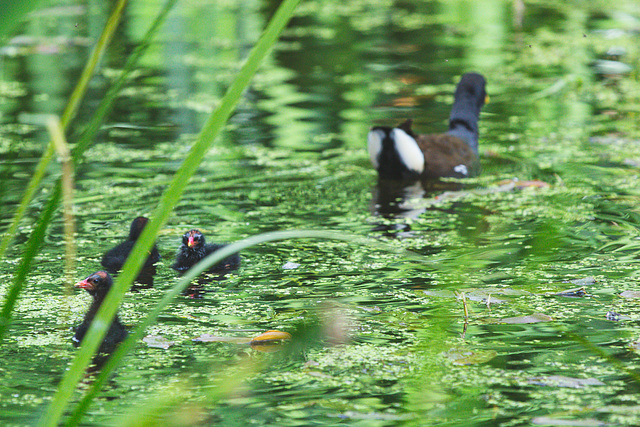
269 341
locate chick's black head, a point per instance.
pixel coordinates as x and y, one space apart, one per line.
193 239
136 227
97 284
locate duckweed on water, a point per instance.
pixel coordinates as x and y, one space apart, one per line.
377 337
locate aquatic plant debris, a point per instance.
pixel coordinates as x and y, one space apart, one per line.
630 294
157 341
562 381
571 293
532 318
293 157
552 421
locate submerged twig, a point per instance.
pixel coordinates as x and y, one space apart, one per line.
463 297
464 305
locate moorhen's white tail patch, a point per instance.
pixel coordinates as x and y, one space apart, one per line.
461 169
408 150
374 145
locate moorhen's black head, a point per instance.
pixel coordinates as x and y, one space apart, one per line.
193 239
472 88
136 227
97 284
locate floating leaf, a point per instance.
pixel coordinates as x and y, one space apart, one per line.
532 318
620 409
475 294
523 184
481 295
269 341
584 281
562 381
615 317
630 294
157 341
535 183
635 345
550 421
611 68
217 338
290 266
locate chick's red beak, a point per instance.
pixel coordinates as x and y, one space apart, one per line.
191 243
84 284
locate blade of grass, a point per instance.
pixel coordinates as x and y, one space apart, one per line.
30 191
194 272
168 405
31 248
54 199
94 59
169 199
69 112
57 136
12 12
107 102
612 360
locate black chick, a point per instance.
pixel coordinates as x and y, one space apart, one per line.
193 249
115 258
98 285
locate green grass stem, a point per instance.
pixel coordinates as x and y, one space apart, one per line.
69 112
54 199
107 102
169 199
24 267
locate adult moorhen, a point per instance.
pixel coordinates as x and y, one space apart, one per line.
399 154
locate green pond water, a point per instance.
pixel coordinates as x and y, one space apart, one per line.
382 338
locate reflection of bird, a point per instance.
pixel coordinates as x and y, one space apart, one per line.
98 285
194 248
397 199
398 153
115 258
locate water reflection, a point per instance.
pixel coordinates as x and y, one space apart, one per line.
392 199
